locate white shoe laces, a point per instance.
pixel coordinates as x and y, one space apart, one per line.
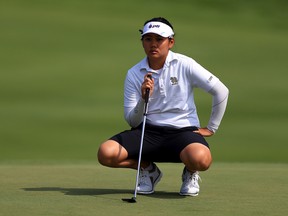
192 178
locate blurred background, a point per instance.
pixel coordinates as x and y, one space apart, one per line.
63 64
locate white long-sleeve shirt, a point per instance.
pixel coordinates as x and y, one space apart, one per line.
172 102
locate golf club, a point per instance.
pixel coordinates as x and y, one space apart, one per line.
133 199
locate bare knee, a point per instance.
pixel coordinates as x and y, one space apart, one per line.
196 157
204 161
110 154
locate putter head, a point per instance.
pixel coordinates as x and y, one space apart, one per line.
132 200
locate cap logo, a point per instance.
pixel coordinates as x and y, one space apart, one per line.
154 26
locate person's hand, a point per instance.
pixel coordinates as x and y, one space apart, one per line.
147 84
204 132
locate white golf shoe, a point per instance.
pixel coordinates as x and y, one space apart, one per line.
190 186
148 180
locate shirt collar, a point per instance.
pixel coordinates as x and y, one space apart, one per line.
170 57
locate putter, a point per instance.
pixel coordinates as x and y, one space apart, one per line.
133 199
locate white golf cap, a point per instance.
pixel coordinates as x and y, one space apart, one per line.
158 28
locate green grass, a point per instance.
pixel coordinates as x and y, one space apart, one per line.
88 189
63 64
62 68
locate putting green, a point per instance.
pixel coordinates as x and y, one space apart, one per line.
89 189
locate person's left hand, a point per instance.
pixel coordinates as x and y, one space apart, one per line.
204 132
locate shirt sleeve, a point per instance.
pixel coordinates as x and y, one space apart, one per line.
202 78
205 80
133 102
220 97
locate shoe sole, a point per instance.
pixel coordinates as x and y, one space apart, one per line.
189 194
155 183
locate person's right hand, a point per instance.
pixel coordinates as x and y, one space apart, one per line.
148 83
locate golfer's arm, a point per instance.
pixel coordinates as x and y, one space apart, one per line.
220 97
134 116
133 102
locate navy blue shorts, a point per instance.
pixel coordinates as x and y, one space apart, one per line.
161 144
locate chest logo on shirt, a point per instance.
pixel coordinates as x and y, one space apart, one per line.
174 80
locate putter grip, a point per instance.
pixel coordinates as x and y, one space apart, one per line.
147 95
147 91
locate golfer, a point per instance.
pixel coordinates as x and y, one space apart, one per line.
173 132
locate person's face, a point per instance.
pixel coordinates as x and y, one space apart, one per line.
156 47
